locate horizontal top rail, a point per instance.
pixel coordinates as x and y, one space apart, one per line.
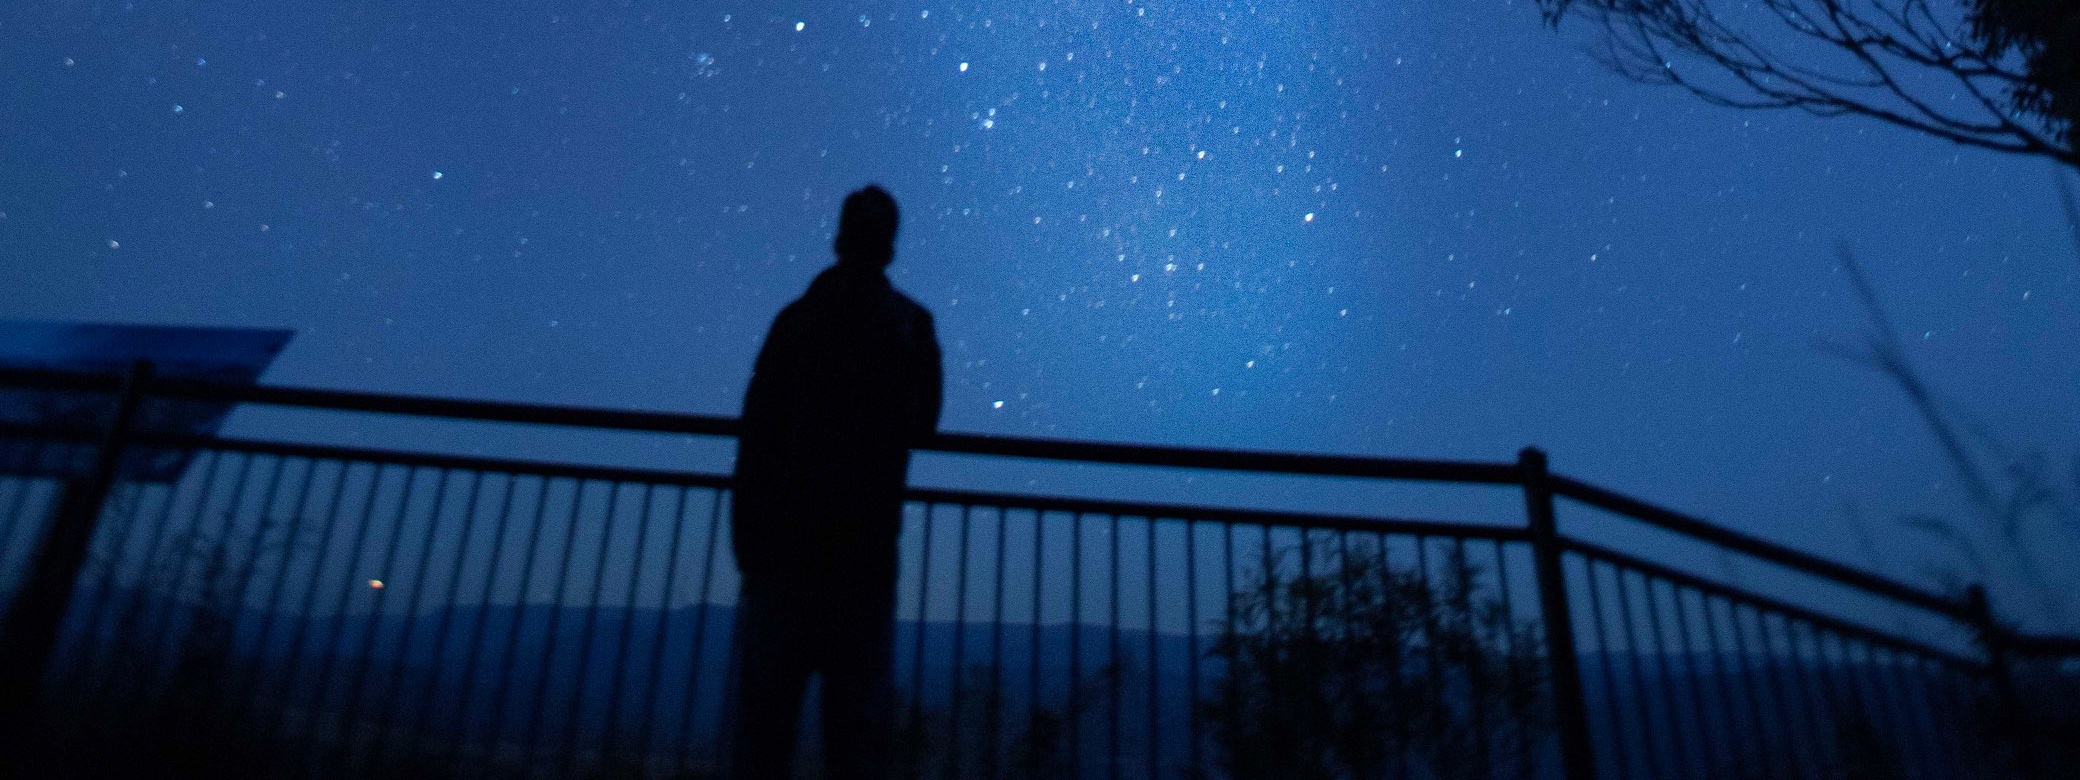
1702 585
715 425
1696 528
1021 501
1222 515
1228 460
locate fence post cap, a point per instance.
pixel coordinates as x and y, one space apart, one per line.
1532 457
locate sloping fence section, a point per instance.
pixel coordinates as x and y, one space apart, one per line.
216 605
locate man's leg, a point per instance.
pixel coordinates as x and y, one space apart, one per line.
858 698
772 674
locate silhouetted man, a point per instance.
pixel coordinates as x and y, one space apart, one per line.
848 381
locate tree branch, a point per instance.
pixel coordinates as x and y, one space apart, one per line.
1887 57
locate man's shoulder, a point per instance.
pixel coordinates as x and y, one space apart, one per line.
909 306
790 317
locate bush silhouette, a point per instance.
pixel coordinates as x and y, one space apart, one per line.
1351 666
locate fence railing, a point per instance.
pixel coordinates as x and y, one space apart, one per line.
289 608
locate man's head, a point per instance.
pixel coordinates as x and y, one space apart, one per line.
867 228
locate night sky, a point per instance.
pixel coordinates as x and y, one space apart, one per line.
1423 228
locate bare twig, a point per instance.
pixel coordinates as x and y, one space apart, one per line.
2006 495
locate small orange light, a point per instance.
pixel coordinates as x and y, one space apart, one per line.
376 584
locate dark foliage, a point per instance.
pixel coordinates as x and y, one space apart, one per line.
2046 34
1356 667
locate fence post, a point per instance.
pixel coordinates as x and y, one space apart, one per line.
1994 640
1577 762
39 609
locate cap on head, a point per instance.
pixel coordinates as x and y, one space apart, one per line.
867 228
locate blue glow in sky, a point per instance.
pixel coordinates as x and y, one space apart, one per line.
1420 228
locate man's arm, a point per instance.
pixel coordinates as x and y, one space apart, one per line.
761 431
932 393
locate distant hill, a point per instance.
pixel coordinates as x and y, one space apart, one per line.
571 683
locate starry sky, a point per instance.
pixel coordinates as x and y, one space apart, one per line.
1424 228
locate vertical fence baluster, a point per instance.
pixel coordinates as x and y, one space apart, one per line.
1805 707
1033 681
1904 743
1619 758
1464 583
1154 669
629 622
1270 595
467 694
573 713
1683 759
1076 646
1191 664
1757 683
394 692
1520 730
1114 669
1773 677
270 615
1649 746
628 625
1438 678
1926 738
1843 699
542 676
700 626
350 733
165 640
312 746
1396 659
321 689
1346 601
1965 690
1837 704
1308 625
916 731
996 649
234 602
647 731
1737 756
1229 608
960 623
1934 703
1696 684
131 623
418 726
726 714
284 688
511 657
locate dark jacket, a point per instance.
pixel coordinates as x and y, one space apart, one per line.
848 380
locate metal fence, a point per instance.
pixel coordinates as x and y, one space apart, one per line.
311 610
